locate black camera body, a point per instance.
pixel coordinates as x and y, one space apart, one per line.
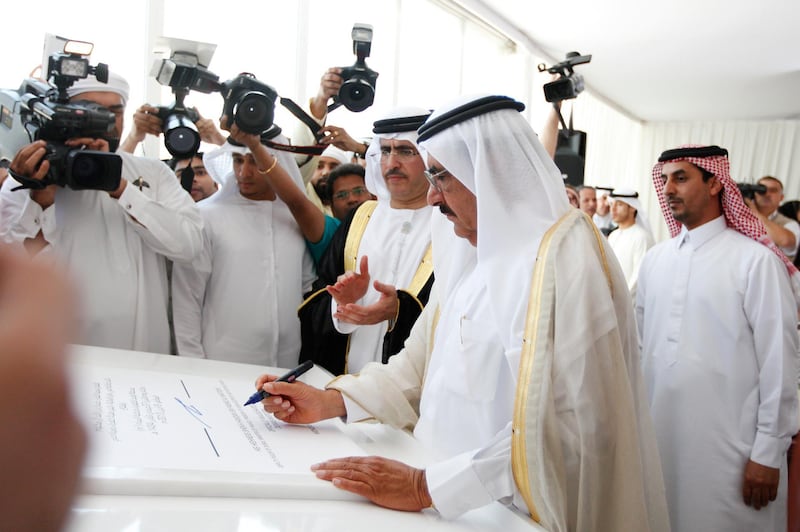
55 120
84 169
569 84
249 103
181 137
358 87
41 111
749 190
183 72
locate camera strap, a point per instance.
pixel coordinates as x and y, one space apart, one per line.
568 129
27 182
310 123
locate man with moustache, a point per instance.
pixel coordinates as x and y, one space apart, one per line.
534 401
375 276
717 324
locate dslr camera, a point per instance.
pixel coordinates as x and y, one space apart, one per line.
569 84
43 111
249 103
749 190
184 71
358 88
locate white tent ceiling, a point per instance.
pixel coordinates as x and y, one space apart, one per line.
677 60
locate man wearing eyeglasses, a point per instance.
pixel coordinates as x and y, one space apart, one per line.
347 189
375 276
526 396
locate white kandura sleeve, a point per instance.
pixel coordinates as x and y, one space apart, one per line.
342 327
22 218
189 281
474 478
771 311
165 217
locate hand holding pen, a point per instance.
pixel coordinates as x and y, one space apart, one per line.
299 402
291 376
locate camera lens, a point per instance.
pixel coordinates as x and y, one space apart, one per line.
94 170
84 169
356 94
180 136
254 113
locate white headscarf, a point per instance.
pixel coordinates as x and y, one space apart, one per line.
116 84
520 195
219 164
374 177
630 197
333 152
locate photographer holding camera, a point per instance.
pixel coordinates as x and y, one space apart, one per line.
146 120
784 231
236 301
113 242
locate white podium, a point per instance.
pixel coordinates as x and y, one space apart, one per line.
171 457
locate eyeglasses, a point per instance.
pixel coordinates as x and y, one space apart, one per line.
344 194
432 174
401 154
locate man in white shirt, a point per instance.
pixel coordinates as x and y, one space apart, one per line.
784 231
587 200
237 300
376 274
578 452
633 238
602 216
717 322
114 243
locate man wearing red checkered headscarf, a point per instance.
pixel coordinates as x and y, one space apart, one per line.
717 323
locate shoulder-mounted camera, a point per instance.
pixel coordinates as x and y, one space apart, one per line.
43 111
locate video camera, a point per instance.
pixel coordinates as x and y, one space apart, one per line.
749 190
358 88
43 111
570 84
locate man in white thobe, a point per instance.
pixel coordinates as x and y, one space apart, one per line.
717 323
632 238
375 276
602 216
113 243
576 451
237 300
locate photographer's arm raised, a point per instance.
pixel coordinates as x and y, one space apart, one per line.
145 120
308 217
329 86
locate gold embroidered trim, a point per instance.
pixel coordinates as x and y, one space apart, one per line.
519 455
422 274
356 232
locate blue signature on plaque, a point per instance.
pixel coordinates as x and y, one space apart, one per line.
194 412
